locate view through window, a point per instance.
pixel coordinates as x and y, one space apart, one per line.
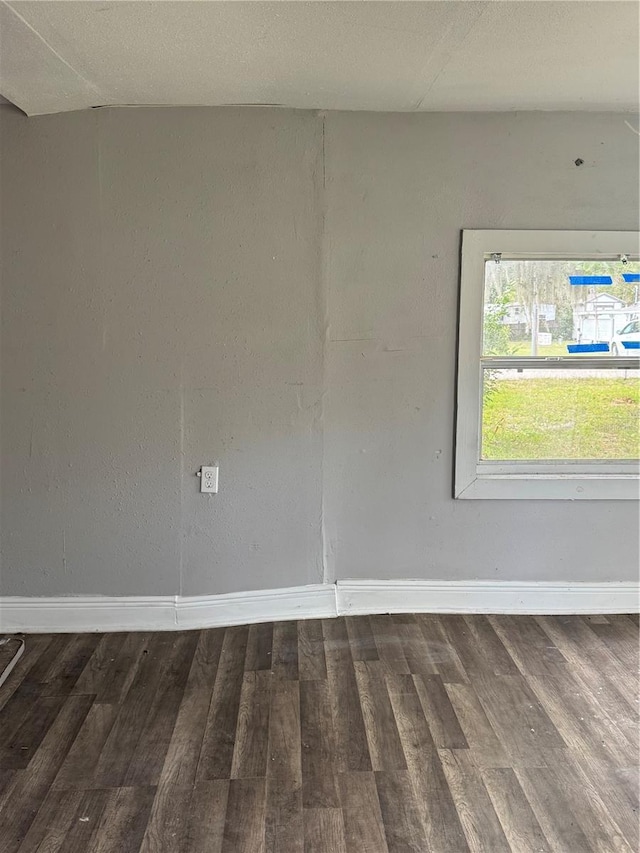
557 380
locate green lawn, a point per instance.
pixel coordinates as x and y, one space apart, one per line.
565 418
524 348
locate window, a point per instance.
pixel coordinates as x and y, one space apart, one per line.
548 402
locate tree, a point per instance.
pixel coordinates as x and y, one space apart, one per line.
495 337
537 282
564 323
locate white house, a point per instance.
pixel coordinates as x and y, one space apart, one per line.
598 318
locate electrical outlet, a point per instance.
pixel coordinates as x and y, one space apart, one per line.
209 479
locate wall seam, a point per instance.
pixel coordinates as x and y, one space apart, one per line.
181 534
328 573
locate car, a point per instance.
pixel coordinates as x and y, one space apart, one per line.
627 339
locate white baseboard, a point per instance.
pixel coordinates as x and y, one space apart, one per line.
164 612
316 601
87 613
171 613
417 596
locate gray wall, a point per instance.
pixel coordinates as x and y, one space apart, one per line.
275 291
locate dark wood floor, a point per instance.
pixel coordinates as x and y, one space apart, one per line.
381 734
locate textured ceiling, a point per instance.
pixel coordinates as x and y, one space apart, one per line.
404 56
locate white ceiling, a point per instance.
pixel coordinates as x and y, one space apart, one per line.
62 55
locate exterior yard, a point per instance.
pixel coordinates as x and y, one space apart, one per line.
519 348
562 418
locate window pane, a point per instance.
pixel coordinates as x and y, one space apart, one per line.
560 414
552 308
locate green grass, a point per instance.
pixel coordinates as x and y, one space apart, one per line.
524 348
565 418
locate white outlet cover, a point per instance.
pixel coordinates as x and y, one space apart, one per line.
209 479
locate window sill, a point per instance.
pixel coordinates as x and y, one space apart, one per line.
585 487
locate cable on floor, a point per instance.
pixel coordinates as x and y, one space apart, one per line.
6 672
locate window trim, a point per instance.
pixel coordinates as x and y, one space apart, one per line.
474 479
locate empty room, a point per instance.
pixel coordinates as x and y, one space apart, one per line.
319 426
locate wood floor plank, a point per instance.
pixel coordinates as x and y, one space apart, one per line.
245 817
403 827
287 834
259 647
206 819
218 743
312 665
361 639
9 781
168 818
285 760
528 645
385 748
582 730
123 822
620 636
518 821
619 790
478 646
482 633
324 831
120 672
30 786
441 716
602 698
597 618
475 809
79 766
151 749
86 821
352 749
99 665
120 745
397 682
67 668
486 748
552 810
17 677
17 707
187 821
284 657
319 785
388 643
439 651
6 781
519 719
414 646
585 803
578 643
17 752
181 761
283 816
433 798
252 731
362 818
54 651
50 826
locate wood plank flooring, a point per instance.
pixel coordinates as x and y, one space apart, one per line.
382 734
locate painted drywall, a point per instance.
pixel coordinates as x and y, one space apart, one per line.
160 304
400 189
275 291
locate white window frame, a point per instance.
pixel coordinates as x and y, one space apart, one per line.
579 480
